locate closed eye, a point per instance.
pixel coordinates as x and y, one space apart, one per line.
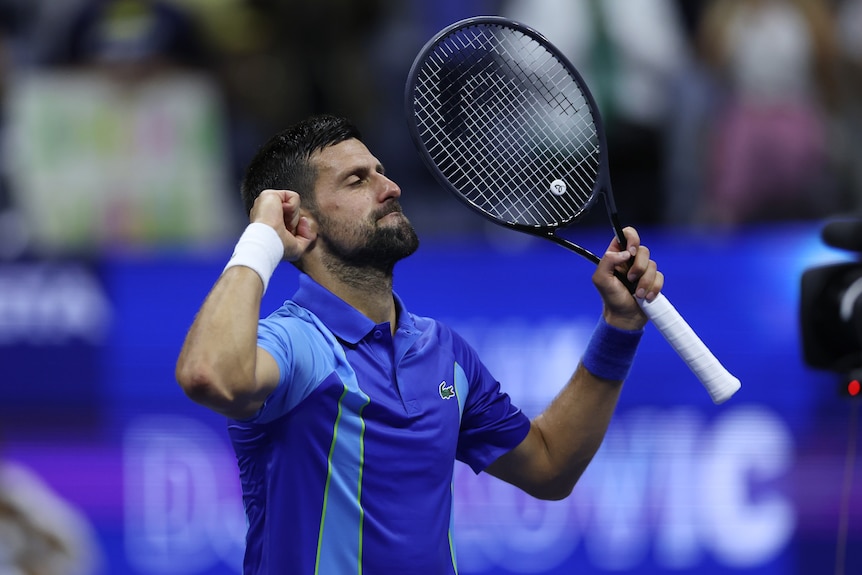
362 175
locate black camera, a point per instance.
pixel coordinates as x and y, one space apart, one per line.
831 305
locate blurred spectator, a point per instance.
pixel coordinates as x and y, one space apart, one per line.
849 21
629 52
122 114
693 99
768 155
7 29
281 60
324 46
8 18
41 534
14 18
241 36
134 38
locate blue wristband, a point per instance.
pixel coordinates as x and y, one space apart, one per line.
611 351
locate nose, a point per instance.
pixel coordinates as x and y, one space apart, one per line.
390 188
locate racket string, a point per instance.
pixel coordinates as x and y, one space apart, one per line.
502 118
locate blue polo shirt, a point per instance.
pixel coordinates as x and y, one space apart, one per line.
347 468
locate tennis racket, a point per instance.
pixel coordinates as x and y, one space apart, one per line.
506 123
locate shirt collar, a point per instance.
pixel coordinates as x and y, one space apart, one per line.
343 320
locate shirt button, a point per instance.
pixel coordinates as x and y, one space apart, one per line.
378 334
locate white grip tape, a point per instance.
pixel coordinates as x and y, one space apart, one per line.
720 383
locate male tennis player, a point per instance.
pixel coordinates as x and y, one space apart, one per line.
347 412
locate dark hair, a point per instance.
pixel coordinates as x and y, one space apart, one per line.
282 162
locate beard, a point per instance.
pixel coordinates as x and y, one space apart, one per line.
370 246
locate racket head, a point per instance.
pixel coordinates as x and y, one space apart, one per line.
506 123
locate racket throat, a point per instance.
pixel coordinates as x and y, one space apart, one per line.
614 218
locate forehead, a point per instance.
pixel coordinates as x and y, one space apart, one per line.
342 156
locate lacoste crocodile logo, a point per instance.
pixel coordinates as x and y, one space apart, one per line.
446 391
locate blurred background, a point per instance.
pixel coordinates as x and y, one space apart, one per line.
734 129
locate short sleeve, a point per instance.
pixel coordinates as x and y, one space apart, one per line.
304 357
491 425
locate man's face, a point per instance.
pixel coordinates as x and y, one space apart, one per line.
358 215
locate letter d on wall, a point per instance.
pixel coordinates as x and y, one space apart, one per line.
172 505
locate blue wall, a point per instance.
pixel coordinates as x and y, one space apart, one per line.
89 403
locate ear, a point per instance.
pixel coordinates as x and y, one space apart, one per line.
312 220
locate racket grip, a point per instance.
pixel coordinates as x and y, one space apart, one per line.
719 382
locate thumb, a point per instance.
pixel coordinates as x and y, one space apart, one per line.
612 265
298 242
304 231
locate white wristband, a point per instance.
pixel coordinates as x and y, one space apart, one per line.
259 248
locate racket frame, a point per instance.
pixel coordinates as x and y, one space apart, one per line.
602 184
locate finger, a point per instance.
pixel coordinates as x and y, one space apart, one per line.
271 195
612 261
266 206
289 198
638 264
657 286
632 238
650 283
645 281
290 206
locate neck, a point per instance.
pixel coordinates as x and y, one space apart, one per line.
367 289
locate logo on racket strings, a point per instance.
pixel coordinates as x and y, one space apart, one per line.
558 187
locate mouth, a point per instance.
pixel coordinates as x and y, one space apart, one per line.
390 213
